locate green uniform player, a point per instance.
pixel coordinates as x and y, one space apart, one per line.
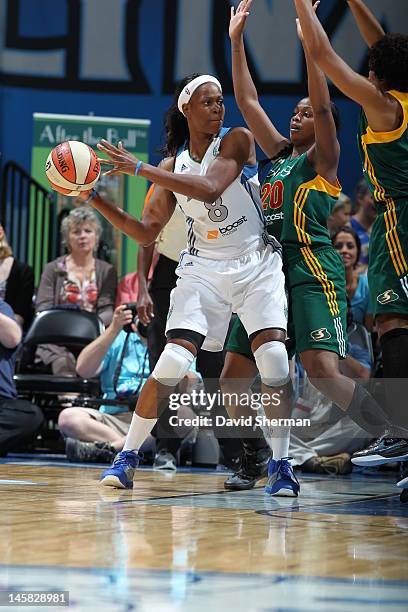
383 143
297 202
382 154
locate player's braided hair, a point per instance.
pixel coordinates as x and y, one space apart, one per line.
388 59
175 123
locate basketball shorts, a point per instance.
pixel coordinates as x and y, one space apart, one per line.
317 306
317 301
388 260
208 292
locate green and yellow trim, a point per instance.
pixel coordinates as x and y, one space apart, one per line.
393 242
318 183
316 269
379 191
371 137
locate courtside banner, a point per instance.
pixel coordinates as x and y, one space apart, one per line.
128 192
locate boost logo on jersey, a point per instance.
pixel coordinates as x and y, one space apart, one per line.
272 199
227 230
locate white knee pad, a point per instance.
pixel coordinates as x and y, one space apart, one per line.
272 361
173 364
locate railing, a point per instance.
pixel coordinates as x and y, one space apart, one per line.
29 217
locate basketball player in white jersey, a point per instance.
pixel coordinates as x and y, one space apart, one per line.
230 265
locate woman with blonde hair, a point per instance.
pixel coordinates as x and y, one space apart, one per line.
77 279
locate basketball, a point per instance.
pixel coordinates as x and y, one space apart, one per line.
72 167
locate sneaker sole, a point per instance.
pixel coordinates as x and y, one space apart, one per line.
373 460
113 481
282 492
243 487
403 484
167 467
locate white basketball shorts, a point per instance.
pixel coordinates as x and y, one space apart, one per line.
209 291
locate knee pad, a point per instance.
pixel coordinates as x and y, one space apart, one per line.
173 364
272 362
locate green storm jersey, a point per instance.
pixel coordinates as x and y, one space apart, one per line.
385 157
297 202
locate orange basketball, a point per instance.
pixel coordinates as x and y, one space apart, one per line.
72 167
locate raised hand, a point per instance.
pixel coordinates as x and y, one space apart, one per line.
122 316
238 20
121 160
298 26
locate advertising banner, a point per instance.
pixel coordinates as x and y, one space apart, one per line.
127 192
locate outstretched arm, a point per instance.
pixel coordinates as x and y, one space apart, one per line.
237 149
382 111
155 216
324 155
369 26
144 301
265 133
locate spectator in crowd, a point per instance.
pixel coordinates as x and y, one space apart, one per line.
347 242
121 359
326 447
363 218
16 283
20 420
77 280
341 214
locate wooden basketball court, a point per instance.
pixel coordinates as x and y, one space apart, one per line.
181 542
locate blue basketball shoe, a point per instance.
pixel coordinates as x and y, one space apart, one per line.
120 474
281 479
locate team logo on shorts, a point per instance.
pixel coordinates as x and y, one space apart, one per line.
212 234
387 296
321 334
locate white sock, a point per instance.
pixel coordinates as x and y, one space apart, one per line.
280 442
138 431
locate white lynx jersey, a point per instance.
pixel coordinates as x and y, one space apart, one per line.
234 224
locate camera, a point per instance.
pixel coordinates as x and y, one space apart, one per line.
142 329
133 307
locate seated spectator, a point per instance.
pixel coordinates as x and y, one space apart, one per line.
20 420
76 280
363 218
327 446
347 242
340 215
122 362
16 283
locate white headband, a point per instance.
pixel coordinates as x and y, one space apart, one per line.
190 88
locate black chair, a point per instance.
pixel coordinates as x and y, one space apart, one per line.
73 329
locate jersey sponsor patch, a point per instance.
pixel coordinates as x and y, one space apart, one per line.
387 296
274 217
227 230
183 167
321 334
232 227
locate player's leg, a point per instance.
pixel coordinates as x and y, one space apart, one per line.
173 364
193 308
263 312
237 376
388 283
163 281
319 310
